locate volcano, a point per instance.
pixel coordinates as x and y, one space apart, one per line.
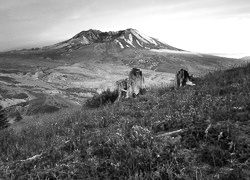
129 38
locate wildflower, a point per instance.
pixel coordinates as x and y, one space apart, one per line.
206 131
231 145
118 134
220 135
116 165
139 128
238 108
157 174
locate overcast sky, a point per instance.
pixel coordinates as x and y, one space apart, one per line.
220 27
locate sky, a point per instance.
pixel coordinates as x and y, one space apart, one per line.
219 27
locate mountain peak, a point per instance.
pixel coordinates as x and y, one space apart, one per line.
123 39
129 29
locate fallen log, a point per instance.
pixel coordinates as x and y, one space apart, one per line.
33 157
172 133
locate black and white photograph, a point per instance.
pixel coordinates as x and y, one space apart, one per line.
124 90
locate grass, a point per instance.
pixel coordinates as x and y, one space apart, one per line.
121 140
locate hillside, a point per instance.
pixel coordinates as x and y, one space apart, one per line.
199 132
246 58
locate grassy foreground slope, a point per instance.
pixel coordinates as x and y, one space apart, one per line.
126 140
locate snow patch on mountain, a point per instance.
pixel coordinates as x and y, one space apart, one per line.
128 40
134 32
119 43
143 37
161 41
84 40
175 52
138 43
130 37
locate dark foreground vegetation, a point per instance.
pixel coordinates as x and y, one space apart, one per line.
126 140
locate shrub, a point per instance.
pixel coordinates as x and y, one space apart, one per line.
99 100
20 96
18 116
214 156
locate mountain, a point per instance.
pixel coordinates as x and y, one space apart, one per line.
129 38
65 74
